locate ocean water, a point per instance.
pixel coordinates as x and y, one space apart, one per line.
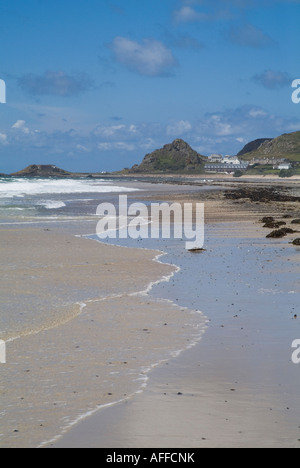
22 198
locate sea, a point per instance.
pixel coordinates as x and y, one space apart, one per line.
34 199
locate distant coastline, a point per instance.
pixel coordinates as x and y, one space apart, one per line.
262 157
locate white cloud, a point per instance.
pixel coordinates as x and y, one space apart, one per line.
117 145
108 131
147 144
82 148
220 126
241 140
255 113
116 132
21 125
133 129
104 146
3 139
187 14
179 128
214 11
148 58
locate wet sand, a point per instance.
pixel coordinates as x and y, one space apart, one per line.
237 387
100 341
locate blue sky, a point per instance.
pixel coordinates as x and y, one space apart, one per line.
95 85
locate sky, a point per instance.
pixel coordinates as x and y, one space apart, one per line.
94 85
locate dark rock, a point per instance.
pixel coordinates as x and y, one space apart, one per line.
274 225
296 221
262 195
41 171
296 242
278 234
288 230
268 219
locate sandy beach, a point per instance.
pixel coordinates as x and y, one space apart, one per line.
107 367
101 327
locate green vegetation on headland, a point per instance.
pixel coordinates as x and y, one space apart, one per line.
263 154
174 158
286 146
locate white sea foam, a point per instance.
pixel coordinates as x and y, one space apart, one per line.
20 187
52 204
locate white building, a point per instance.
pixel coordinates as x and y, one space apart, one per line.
284 166
231 160
215 158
